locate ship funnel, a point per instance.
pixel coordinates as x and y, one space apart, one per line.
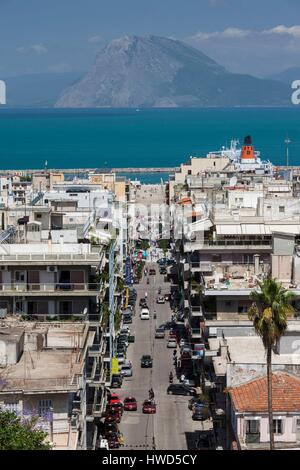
247 155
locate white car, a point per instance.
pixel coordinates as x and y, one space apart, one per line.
145 315
172 343
160 299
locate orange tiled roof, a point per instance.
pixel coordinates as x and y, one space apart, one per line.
253 396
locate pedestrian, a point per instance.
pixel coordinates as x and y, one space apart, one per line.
182 378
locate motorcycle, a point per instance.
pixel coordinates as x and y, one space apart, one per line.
171 378
148 280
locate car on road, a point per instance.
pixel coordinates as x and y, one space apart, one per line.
152 272
113 398
200 413
126 370
127 319
196 401
145 314
149 407
180 389
146 361
159 333
130 404
116 381
160 299
113 417
121 357
143 302
172 343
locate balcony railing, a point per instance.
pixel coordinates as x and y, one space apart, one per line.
49 287
51 257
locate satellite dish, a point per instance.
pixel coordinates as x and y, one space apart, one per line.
233 181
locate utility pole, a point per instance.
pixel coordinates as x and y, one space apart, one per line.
287 142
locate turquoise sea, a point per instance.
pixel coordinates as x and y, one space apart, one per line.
103 138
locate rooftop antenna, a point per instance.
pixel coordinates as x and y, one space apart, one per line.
287 142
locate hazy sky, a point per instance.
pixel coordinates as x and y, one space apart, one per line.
253 36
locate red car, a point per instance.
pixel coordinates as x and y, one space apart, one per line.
113 416
113 398
149 407
130 404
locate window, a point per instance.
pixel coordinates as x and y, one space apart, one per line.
228 303
281 209
45 407
20 276
278 426
38 216
12 406
252 426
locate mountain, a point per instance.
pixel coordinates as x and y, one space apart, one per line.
160 72
39 89
287 76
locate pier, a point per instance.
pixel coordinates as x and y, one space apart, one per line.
28 172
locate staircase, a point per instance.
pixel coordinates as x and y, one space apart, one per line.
37 198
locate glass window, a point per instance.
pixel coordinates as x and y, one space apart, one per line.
44 407
252 426
278 426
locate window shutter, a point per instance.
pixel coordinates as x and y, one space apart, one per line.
294 426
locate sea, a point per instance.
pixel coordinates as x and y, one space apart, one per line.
110 138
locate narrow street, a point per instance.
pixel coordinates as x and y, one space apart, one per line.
172 424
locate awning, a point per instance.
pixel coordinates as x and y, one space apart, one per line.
229 229
201 225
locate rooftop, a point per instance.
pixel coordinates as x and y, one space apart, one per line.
253 396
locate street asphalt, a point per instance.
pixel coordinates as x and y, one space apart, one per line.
172 426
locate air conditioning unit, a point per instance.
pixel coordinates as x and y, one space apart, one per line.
3 268
52 269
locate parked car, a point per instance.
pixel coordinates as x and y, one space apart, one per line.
113 416
121 357
195 401
159 333
146 361
116 381
160 299
145 315
113 398
200 413
127 319
126 370
149 407
180 389
130 404
172 343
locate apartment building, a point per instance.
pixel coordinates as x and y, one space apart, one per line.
42 373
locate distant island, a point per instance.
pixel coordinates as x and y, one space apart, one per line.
149 72
161 72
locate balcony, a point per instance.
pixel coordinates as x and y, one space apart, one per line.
41 289
50 258
200 266
196 333
235 245
196 311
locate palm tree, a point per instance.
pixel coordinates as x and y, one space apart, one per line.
269 312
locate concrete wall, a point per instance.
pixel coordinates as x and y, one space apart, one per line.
282 268
289 428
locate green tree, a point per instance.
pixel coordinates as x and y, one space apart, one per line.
272 305
20 433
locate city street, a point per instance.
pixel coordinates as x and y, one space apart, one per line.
172 426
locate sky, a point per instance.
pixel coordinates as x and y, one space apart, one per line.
260 37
